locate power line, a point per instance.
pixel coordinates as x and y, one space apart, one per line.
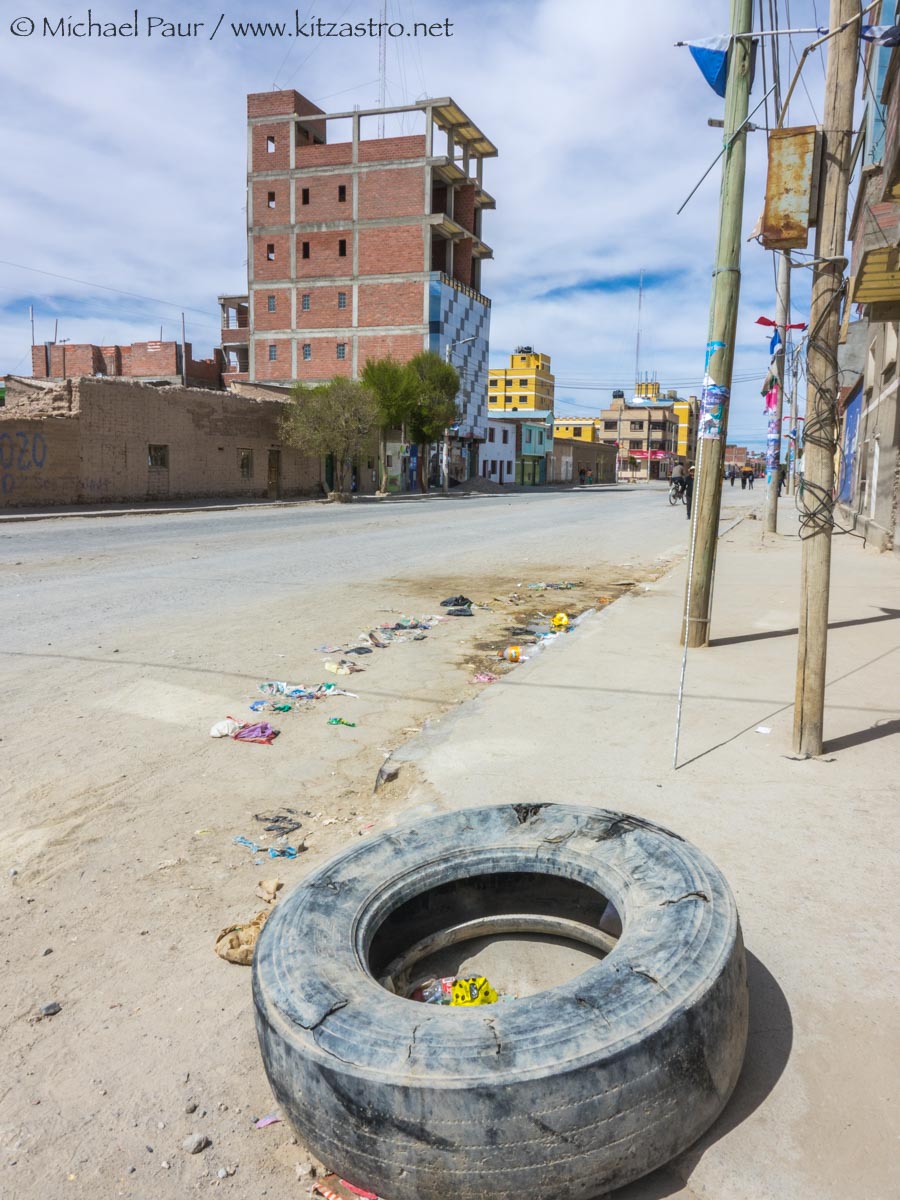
106 288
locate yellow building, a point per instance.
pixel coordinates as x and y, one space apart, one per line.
527 385
686 412
581 429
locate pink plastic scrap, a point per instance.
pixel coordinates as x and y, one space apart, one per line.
263 732
271 1119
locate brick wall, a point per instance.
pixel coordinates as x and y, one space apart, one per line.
278 104
464 207
265 368
281 213
324 363
324 258
388 249
380 149
281 317
324 204
324 156
261 158
462 261
99 452
145 361
391 303
323 311
280 266
402 346
392 193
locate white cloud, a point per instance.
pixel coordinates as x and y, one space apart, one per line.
125 166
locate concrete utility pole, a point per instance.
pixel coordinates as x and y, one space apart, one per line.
713 424
773 448
819 435
445 448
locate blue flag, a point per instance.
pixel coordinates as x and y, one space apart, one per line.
775 342
881 35
711 56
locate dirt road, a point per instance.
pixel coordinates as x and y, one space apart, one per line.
125 640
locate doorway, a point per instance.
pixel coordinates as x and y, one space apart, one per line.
273 475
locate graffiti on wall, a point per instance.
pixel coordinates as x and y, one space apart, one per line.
21 455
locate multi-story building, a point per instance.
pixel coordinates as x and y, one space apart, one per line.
526 385
868 468
652 431
362 246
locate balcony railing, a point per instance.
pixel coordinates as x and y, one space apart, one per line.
233 321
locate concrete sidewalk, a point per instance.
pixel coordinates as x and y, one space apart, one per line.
808 846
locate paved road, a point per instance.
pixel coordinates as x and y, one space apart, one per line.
87 578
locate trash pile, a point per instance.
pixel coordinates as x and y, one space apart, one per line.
458 993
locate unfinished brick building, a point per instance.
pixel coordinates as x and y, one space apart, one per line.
148 362
362 247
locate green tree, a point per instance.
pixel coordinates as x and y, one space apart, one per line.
435 407
337 418
395 388
632 464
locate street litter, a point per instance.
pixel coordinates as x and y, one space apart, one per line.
341 721
485 677
566 586
268 889
358 1191
763 729
272 851
280 688
271 1119
460 612
456 602
359 650
236 943
225 728
560 621
280 821
456 992
344 667
262 733
512 654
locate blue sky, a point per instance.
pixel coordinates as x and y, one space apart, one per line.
125 167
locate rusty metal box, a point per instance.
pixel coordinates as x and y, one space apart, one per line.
792 187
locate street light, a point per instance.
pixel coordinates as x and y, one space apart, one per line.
445 449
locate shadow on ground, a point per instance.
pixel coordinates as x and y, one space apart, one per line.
768 1050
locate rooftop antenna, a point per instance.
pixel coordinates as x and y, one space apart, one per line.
637 346
382 67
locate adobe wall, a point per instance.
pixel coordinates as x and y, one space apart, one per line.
87 440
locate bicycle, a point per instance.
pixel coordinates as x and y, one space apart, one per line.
677 491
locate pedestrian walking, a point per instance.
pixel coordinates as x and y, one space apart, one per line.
745 473
732 474
750 477
581 476
782 477
689 491
590 478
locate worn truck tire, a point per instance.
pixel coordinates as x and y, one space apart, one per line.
567 1093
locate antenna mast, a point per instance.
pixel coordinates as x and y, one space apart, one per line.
637 346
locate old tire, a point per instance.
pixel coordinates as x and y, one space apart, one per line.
567 1093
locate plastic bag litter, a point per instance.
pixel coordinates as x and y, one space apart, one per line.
236 943
262 733
455 602
225 728
268 889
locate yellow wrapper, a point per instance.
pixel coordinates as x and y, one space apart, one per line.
476 990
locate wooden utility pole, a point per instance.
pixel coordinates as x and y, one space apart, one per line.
713 424
795 433
773 438
820 432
